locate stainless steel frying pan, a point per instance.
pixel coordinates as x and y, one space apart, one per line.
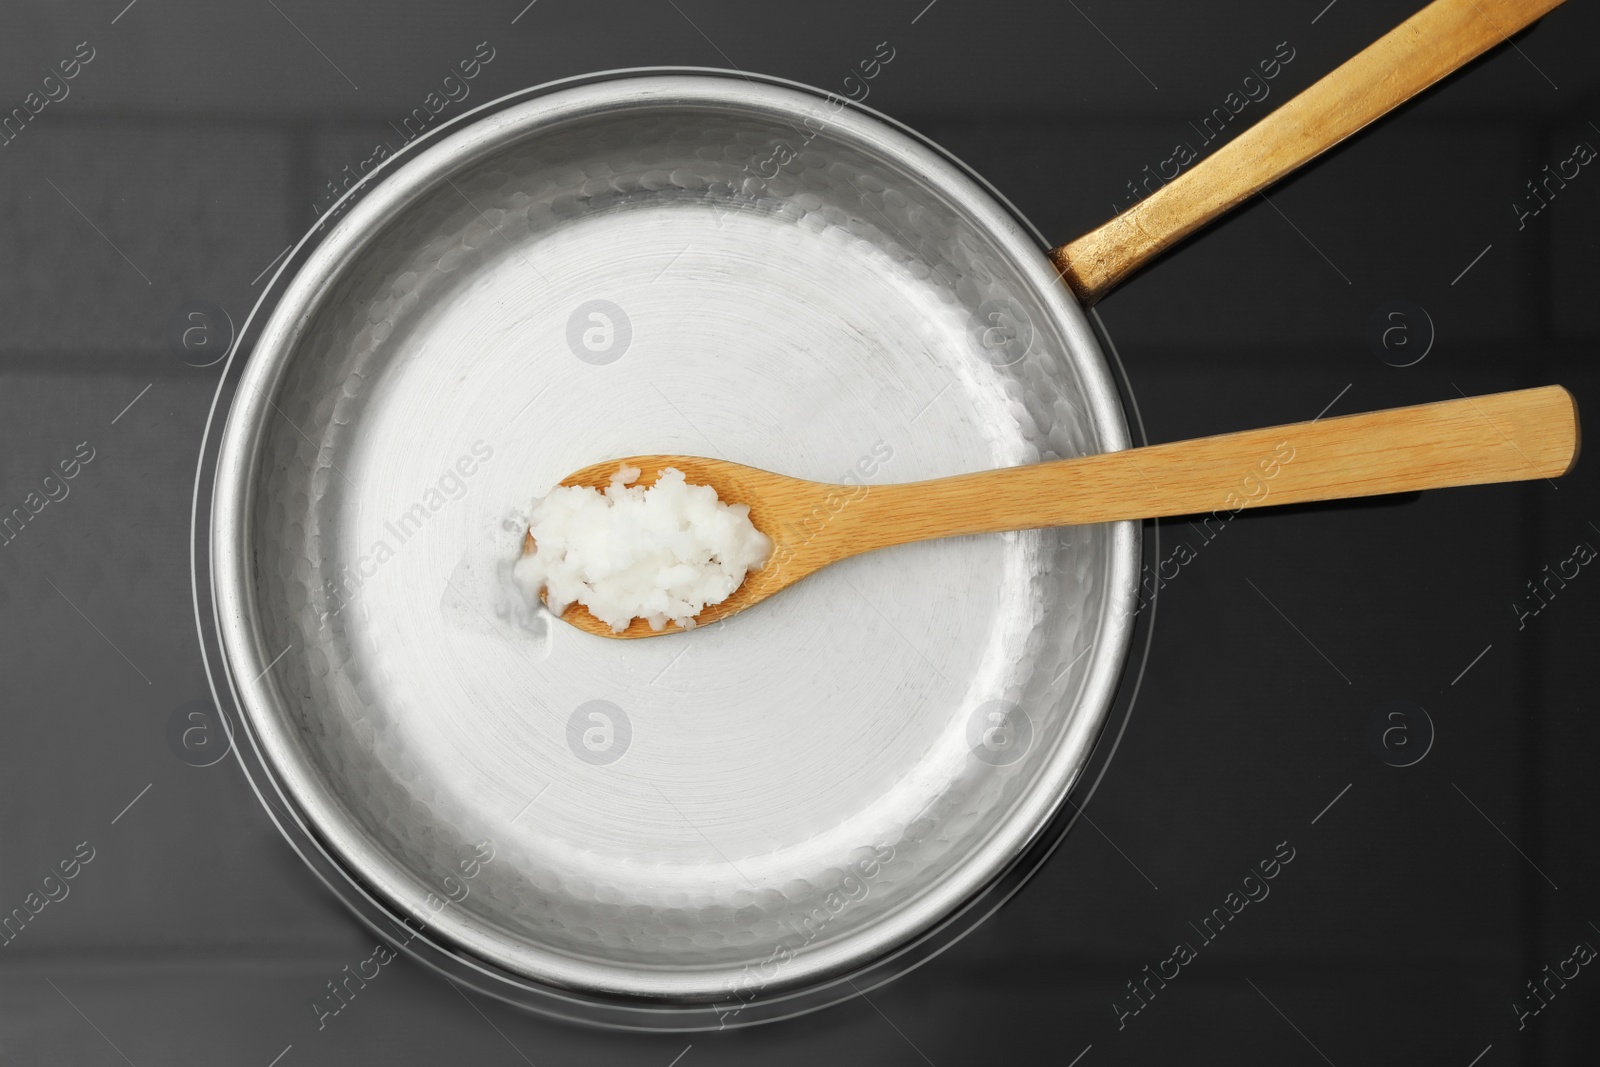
702 263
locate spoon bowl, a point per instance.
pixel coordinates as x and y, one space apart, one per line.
790 511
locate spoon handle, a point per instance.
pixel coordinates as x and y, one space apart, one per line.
1443 36
1502 437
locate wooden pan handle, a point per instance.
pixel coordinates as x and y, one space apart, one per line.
1435 41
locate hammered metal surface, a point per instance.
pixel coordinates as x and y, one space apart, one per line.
814 773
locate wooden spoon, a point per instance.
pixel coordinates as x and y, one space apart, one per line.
1442 37
1503 437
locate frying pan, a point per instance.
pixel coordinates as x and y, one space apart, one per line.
685 832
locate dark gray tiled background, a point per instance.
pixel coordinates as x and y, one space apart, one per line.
197 140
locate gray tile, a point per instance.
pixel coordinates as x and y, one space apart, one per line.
111 228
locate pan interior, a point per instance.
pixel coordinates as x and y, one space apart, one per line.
762 801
